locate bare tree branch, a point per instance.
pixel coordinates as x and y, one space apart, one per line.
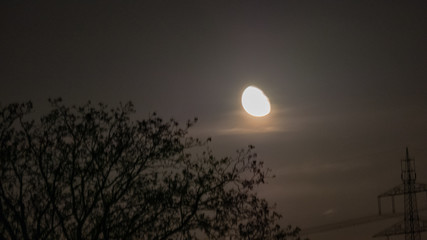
90 172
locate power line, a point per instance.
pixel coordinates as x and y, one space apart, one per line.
411 225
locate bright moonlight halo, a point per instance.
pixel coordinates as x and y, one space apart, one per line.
255 102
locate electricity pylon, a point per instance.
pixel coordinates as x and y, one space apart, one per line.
411 225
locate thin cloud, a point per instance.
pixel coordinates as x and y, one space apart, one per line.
241 131
328 212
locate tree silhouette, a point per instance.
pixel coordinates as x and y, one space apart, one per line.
91 172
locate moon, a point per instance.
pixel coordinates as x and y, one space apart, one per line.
255 102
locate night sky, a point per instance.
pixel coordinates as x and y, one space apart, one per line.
347 81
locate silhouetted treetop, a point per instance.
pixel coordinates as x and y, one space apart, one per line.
92 172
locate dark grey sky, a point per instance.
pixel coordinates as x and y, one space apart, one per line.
347 81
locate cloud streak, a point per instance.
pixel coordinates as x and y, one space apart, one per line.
242 130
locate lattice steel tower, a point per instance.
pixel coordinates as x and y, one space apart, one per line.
412 220
411 225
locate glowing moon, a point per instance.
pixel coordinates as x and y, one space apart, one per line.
255 102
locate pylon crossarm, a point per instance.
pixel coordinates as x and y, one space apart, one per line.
398 190
420 187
